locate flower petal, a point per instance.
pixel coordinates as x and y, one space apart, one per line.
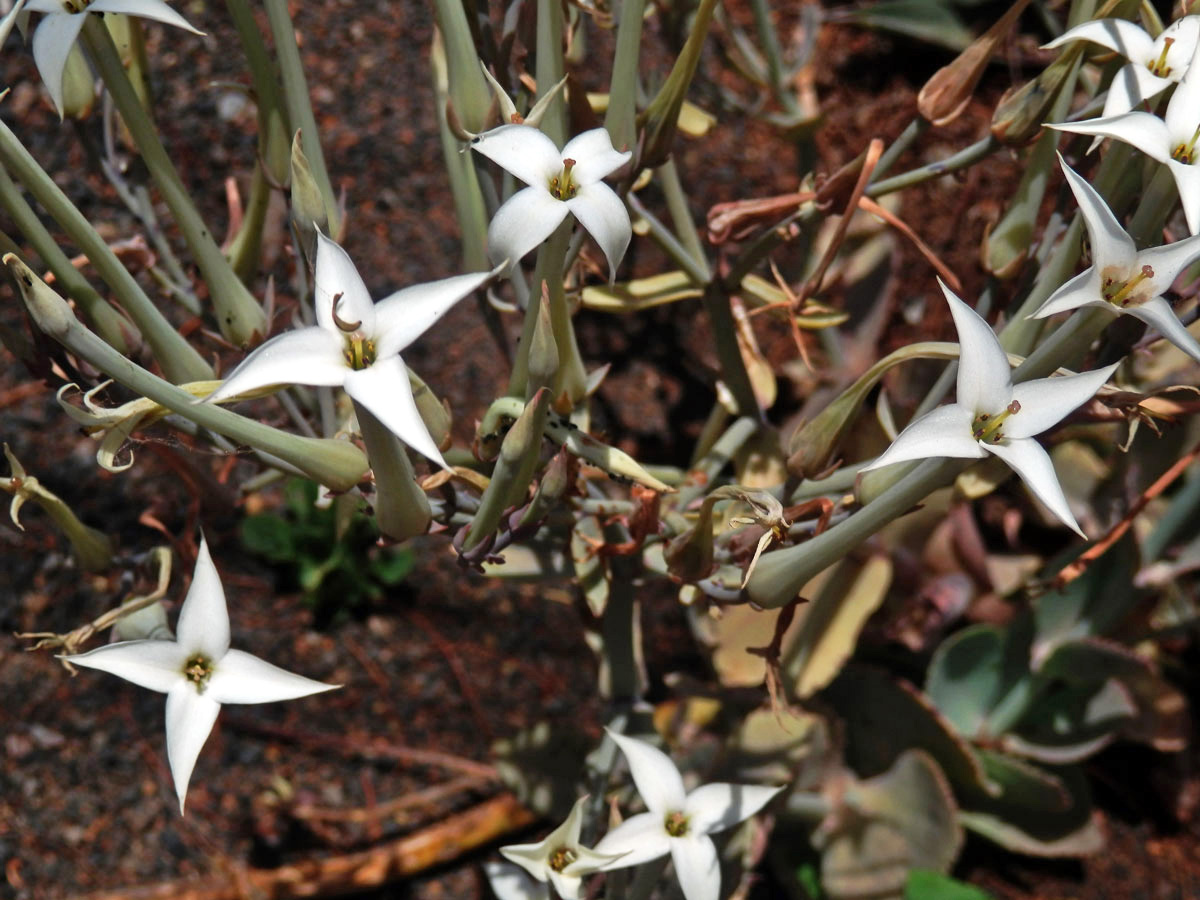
404 316
1139 129
594 156
638 839
1157 313
567 886
1183 110
1027 458
525 220
984 375
945 431
715 807
145 9
53 7
304 356
190 718
1082 290
240 677
337 276
1187 182
1169 260
204 620
697 867
52 43
1119 35
1132 85
656 778
510 883
522 150
384 389
1111 246
157 665
601 212
1047 401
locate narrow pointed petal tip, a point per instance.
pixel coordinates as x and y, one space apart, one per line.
1157 313
385 390
241 677
658 781
1032 463
1110 243
145 9
52 43
942 432
337 282
522 150
312 356
203 625
984 375
602 213
637 840
155 665
190 718
526 219
715 807
1044 402
697 867
404 316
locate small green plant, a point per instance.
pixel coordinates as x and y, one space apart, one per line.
327 552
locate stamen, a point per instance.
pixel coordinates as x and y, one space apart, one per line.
359 353
676 824
986 427
562 857
1159 67
1186 153
198 670
563 187
1123 295
341 323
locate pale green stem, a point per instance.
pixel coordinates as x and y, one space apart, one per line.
106 321
681 216
401 507
1158 200
768 37
239 316
620 120
467 87
274 136
704 473
246 248
895 150
550 67
724 331
670 244
963 159
337 464
805 219
299 104
1180 513
179 361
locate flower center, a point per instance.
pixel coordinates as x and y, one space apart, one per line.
676 824
360 350
986 427
198 670
76 6
563 186
562 857
1186 153
1159 67
1135 290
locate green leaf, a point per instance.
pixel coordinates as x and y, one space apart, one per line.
1093 604
270 537
924 20
392 568
924 884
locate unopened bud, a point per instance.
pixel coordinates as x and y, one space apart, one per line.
308 206
1021 111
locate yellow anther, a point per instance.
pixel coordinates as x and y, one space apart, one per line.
198 670
986 427
1121 293
1186 153
1159 67
562 857
676 824
563 186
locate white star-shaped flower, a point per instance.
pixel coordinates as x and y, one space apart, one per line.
560 182
559 858
356 344
1122 279
677 822
992 415
1173 140
56 33
1154 63
509 882
198 671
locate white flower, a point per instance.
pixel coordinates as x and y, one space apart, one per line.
198 671
559 858
1171 140
678 823
356 344
1154 63
511 883
1122 279
56 33
992 415
560 182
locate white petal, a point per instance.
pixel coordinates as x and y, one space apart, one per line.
984 375
1111 246
601 212
1184 33
1157 313
510 883
1047 401
697 867
715 807
404 316
1120 35
384 389
945 431
594 156
304 356
157 665
1027 458
533 858
336 276
638 839
203 625
1139 129
1169 260
525 220
52 43
1132 85
240 677
1187 182
1183 111
656 778
1082 290
190 717
568 887
145 9
522 150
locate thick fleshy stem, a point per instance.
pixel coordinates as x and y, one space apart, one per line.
401 507
179 360
620 120
238 314
551 67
